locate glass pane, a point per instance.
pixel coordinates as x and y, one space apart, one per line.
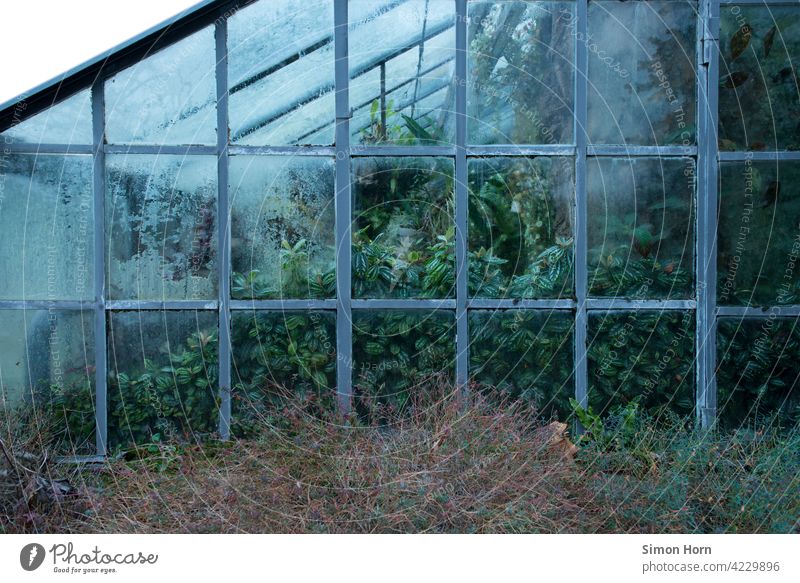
398 353
640 229
759 102
646 357
47 359
46 227
161 217
520 227
642 78
524 355
759 241
521 72
403 231
281 73
401 54
67 122
282 227
162 376
167 98
758 372
277 355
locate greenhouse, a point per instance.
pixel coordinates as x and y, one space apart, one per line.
576 204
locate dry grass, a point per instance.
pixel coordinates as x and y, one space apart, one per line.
441 467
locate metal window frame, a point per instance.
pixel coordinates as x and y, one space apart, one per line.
216 13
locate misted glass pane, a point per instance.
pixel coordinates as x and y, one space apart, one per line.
527 355
640 229
521 72
404 228
167 98
46 227
66 122
642 72
759 233
47 360
758 372
642 357
402 60
278 356
161 227
281 73
520 227
759 101
282 227
162 376
397 353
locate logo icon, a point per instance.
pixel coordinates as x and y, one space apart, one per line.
31 556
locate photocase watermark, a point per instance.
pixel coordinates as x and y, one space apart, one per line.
65 559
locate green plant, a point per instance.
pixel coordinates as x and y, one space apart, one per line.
175 396
526 356
281 358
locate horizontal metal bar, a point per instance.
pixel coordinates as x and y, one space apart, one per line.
278 305
373 151
498 304
403 304
599 150
511 150
29 148
756 156
188 150
758 312
282 150
161 305
46 305
625 304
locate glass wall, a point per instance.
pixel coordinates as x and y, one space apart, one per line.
521 198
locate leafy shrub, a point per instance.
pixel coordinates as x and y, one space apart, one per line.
175 396
280 358
757 376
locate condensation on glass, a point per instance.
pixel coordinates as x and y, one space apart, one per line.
280 73
641 227
161 227
46 243
642 73
521 84
167 98
282 227
408 98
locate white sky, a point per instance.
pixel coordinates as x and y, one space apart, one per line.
42 39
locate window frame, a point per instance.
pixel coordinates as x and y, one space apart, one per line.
706 155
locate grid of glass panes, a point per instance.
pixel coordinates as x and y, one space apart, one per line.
501 193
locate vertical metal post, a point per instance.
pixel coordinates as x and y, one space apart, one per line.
383 101
581 265
99 199
344 329
223 230
706 263
462 199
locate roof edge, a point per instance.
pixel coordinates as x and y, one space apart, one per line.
104 65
